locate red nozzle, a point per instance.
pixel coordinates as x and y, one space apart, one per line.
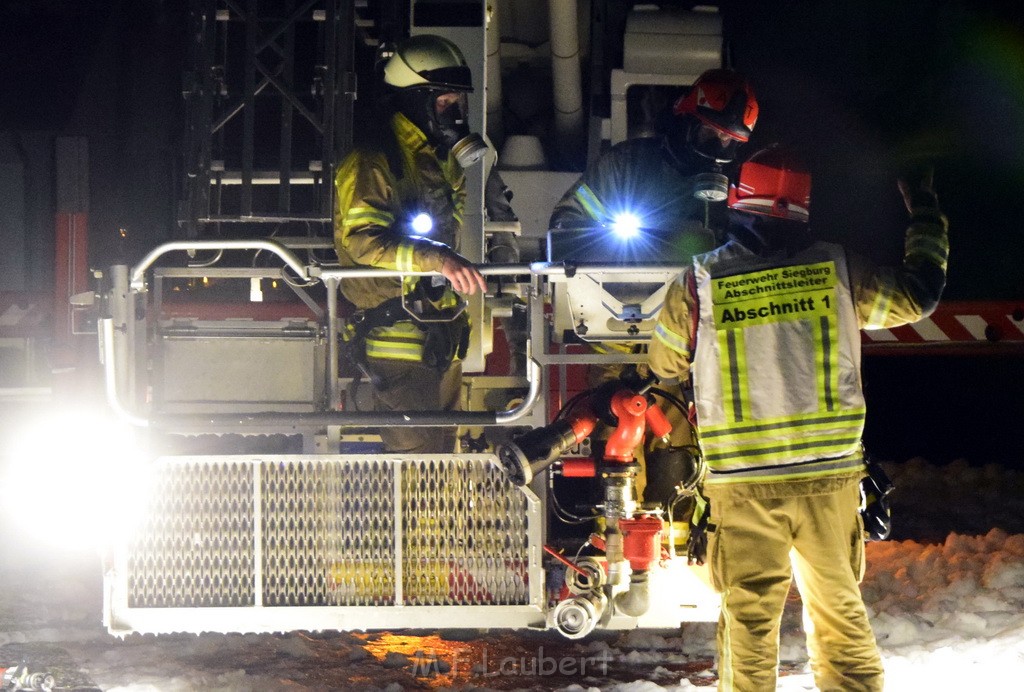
658 422
629 409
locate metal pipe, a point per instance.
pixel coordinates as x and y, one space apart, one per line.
492 43
334 390
106 327
293 261
565 67
533 268
636 600
289 258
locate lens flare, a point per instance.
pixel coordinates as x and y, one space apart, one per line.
626 225
75 481
421 224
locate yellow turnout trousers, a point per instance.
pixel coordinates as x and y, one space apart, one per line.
760 540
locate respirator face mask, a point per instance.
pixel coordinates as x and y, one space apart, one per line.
450 129
715 148
700 148
442 116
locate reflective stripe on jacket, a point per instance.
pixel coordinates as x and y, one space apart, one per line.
374 204
400 341
777 367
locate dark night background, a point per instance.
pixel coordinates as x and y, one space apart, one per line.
867 89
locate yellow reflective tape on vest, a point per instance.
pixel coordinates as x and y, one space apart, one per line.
733 457
797 424
826 335
767 474
790 440
735 395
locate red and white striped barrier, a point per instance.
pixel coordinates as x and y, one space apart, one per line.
955 327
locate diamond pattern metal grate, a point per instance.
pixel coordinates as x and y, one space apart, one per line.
330 531
195 545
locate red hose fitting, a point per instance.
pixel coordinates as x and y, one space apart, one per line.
641 541
658 422
578 468
629 409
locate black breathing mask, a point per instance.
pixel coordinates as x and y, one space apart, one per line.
767 235
705 171
453 134
447 130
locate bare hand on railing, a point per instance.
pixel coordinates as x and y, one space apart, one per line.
463 275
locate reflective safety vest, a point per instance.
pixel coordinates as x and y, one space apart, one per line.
776 371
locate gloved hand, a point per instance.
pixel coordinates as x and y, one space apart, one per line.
874 503
918 188
697 544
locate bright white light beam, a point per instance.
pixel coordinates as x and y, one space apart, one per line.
422 224
75 481
626 225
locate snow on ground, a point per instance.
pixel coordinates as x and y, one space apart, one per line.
946 599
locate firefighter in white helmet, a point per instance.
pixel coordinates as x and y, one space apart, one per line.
399 204
766 328
672 182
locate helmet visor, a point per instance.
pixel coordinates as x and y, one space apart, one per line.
451 107
712 143
457 78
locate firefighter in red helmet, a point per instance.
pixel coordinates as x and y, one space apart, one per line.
764 333
670 178
673 182
724 111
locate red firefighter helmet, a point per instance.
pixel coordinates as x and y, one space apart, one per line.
773 182
722 99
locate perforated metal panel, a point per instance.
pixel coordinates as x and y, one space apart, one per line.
335 531
464 535
328 533
195 545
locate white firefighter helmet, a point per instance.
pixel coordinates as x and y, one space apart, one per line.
428 61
